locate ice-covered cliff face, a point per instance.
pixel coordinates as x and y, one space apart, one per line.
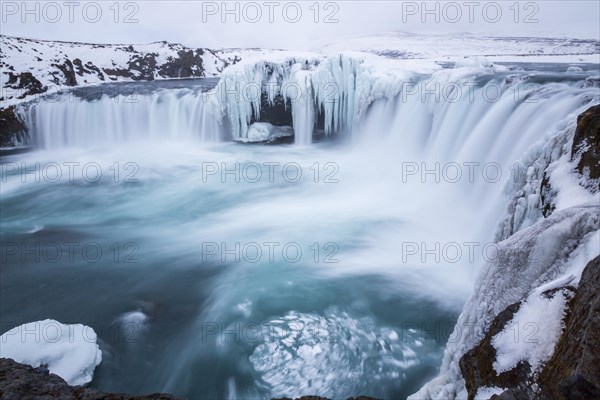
331 94
547 255
550 231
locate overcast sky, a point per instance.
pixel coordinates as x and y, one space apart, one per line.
288 24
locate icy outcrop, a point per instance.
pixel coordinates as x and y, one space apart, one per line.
475 62
69 351
237 97
544 181
548 254
338 89
525 190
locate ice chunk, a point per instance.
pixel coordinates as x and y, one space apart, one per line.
264 132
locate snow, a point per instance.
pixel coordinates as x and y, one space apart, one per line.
569 190
485 393
533 332
452 47
38 56
474 62
70 351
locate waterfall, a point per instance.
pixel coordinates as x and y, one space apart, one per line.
474 111
172 114
303 110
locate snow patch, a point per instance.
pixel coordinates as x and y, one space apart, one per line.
485 393
532 334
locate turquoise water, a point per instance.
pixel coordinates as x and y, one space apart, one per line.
330 322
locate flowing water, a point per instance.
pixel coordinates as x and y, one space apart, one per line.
212 269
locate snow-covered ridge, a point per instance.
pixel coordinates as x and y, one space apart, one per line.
30 67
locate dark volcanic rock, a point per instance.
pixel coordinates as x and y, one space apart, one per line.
187 65
477 364
573 372
68 74
142 67
18 381
22 382
25 84
547 195
88 68
277 114
586 149
12 130
586 143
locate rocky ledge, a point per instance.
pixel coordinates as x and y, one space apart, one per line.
586 143
23 382
12 131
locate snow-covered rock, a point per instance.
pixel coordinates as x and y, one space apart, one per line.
70 351
31 67
532 333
